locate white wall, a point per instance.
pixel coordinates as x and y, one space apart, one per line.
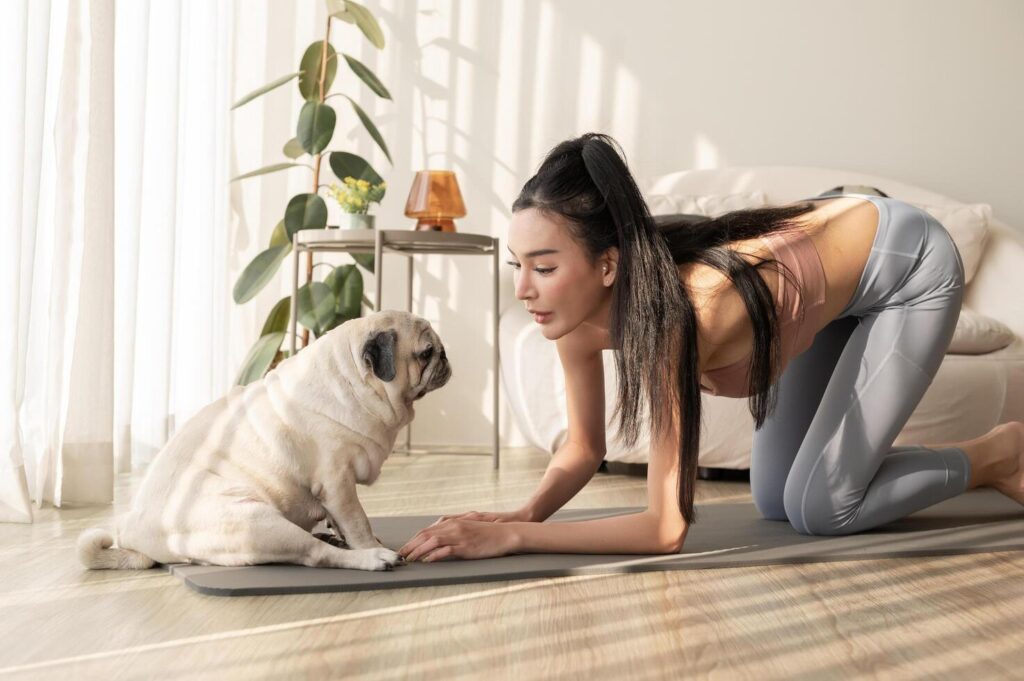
924 92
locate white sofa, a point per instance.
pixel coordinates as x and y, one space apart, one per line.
969 395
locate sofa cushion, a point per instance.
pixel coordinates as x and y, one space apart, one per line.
967 224
711 205
977 334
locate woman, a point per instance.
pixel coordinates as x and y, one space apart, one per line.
831 315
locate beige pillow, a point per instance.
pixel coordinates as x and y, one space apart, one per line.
967 223
977 334
711 205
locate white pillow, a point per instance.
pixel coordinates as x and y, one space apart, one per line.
967 223
711 205
977 334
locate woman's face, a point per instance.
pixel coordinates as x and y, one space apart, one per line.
552 274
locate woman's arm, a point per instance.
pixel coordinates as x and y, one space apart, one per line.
583 450
570 468
635 533
660 528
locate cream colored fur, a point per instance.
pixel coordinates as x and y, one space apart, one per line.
247 478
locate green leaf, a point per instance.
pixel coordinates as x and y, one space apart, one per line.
316 126
346 281
258 272
335 279
309 81
260 357
336 8
293 148
265 89
305 211
366 23
279 318
273 168
316 306
344 164
364 259
367 76
351 299
370 127
279 237
335 322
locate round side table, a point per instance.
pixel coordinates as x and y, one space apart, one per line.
408 243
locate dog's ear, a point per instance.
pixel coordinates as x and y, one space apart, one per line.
379 353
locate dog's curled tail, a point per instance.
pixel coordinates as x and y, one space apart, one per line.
95 552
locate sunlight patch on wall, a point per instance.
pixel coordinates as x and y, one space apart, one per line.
509 162
433 106
588 98
540 95
510 99
463 94
705 153
625 110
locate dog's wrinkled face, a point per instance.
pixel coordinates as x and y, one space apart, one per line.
402 349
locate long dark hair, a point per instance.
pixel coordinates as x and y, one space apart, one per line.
653 325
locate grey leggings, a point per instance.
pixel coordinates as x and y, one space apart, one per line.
824 458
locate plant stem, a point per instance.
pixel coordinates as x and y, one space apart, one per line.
316 161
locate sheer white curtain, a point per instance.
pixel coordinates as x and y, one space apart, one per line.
115 285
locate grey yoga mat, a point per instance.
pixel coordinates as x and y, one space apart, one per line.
725 535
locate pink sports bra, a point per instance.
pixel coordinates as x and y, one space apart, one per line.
799 314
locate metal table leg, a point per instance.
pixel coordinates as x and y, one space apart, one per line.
378 266
408 298
293 325
497 375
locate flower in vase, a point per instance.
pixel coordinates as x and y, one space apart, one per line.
355 196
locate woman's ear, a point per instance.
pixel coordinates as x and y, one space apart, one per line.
609 265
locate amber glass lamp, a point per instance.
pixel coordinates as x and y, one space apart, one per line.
434 200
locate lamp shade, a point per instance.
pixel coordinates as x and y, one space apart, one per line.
434 200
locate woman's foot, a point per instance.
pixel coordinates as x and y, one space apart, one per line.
1010 436
997 459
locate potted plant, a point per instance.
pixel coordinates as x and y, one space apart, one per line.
355 196
322 305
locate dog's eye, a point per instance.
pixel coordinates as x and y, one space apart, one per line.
427 353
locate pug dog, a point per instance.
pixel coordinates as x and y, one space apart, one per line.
247 478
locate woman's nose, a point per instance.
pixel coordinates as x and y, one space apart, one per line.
523 287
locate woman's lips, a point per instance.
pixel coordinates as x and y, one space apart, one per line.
540 318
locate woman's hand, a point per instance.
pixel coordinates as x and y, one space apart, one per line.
462 537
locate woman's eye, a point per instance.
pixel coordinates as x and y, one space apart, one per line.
539 270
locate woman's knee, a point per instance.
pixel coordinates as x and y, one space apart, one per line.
766 487
768 501
813 512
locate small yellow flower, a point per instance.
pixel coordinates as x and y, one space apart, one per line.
355 196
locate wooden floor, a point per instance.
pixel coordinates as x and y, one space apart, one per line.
957 617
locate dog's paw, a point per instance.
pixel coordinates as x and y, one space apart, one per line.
382 559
